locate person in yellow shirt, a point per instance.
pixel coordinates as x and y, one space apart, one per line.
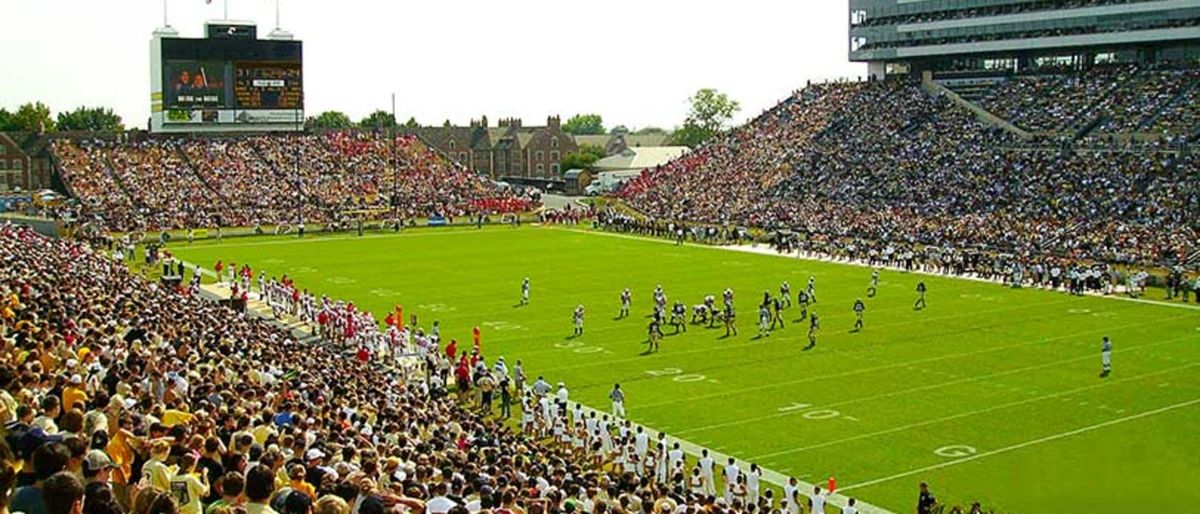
74 392
297 473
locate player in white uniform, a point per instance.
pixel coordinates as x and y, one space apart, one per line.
525 292
818 501
812 289
706 473
731 479
578 320
752 487
850 508
1106 358
625 301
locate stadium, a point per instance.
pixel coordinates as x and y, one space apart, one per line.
965 281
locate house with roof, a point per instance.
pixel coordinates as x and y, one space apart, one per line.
510 150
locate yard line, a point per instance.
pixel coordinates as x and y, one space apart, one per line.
757 343
930 387
896 365
967 414
1025 444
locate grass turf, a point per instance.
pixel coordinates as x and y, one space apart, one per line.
1011 374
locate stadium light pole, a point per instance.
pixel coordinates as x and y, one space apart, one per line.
395 169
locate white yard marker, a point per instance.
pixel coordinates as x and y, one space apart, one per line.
1025 444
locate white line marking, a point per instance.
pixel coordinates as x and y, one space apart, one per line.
1065 394
1025 444
930 387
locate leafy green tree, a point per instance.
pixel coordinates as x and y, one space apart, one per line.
329 120
709 115
5 120
31 117
95 119
411 123
583 159
584 124
650 130
378 120
619 129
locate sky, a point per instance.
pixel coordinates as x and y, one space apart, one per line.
635 62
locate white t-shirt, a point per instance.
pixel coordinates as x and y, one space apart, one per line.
731 475
818 504
439 505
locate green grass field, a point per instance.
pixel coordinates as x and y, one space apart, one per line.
989 394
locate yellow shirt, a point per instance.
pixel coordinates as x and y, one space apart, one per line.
118 449
172 417
72 394
304 487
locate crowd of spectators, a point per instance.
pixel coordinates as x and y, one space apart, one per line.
885 161
1121 99
149 400
175 183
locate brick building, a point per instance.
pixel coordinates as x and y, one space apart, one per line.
509 149
24 162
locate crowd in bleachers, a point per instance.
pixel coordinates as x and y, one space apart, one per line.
1120 98
888 162
174 183
131 397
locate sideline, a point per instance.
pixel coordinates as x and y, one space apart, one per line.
758 249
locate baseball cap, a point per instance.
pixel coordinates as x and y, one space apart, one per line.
96 460
314 454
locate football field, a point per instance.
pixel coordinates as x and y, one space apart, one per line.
989 394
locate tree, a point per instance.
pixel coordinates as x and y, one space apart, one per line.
619 129
5 120
710 113
411 123
650 130
378 120
584 124
94 119
31 117
583 159
329 120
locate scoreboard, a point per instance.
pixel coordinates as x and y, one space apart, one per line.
268 85
226 83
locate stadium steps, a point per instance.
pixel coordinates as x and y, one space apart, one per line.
1087 115
191 166
985 116
258 153
111 168
1089 127
1179 97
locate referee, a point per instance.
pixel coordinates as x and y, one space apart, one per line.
618 401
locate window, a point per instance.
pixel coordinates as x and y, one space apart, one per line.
462 156
540 168
554 143
453 145
554 168
541 156
554 156
3 149
18 164
3 165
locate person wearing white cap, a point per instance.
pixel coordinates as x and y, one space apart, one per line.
97 467
563 397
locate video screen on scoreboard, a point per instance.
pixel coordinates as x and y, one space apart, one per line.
194 84
232 74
